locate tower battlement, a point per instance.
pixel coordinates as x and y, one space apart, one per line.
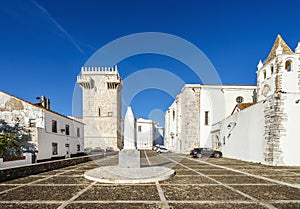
99 70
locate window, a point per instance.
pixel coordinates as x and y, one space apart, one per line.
67 129
239 99
272 69
265 74
288 66
31 122
54 126
140 128
173 114
112 85
54 149
109 114
78 147
99 112
78 132
206 118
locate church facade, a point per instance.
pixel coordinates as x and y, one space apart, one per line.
268 131
189 119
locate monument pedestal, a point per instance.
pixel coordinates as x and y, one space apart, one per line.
129 169
129 158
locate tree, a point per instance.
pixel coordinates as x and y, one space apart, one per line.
14 140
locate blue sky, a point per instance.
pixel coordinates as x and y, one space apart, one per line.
44 43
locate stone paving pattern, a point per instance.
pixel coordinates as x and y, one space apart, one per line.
199 183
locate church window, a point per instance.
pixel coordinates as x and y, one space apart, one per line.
173 114
272 69
140 128
206 118
265 74
99 112
239 99
288 65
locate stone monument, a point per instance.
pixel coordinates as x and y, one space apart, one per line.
129 156
129 169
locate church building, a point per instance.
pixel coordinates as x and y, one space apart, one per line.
188 120
267 131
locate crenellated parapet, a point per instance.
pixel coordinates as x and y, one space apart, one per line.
87 77
99 70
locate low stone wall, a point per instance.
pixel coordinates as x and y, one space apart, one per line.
21 171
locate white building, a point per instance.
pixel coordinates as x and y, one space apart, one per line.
188 120
268 131
101 106
54 135
148 134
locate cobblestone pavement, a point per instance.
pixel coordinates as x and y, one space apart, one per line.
199 183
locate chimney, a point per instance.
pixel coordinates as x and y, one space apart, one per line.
47 106
45 102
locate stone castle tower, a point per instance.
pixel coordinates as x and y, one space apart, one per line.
101 106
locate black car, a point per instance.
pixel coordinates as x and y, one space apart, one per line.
205 152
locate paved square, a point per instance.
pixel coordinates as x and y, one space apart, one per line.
199 183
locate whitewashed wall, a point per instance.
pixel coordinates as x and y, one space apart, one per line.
47 137
145 136
220 102
290 141
245 138
26 161
171 126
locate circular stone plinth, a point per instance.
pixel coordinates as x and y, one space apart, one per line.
115 174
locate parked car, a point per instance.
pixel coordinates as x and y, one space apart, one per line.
88 150
206 152
97 150
162 150
109 149
155 147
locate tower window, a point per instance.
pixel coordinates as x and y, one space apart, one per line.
99 112
140 128
112 85
288 66
206 118
265 74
